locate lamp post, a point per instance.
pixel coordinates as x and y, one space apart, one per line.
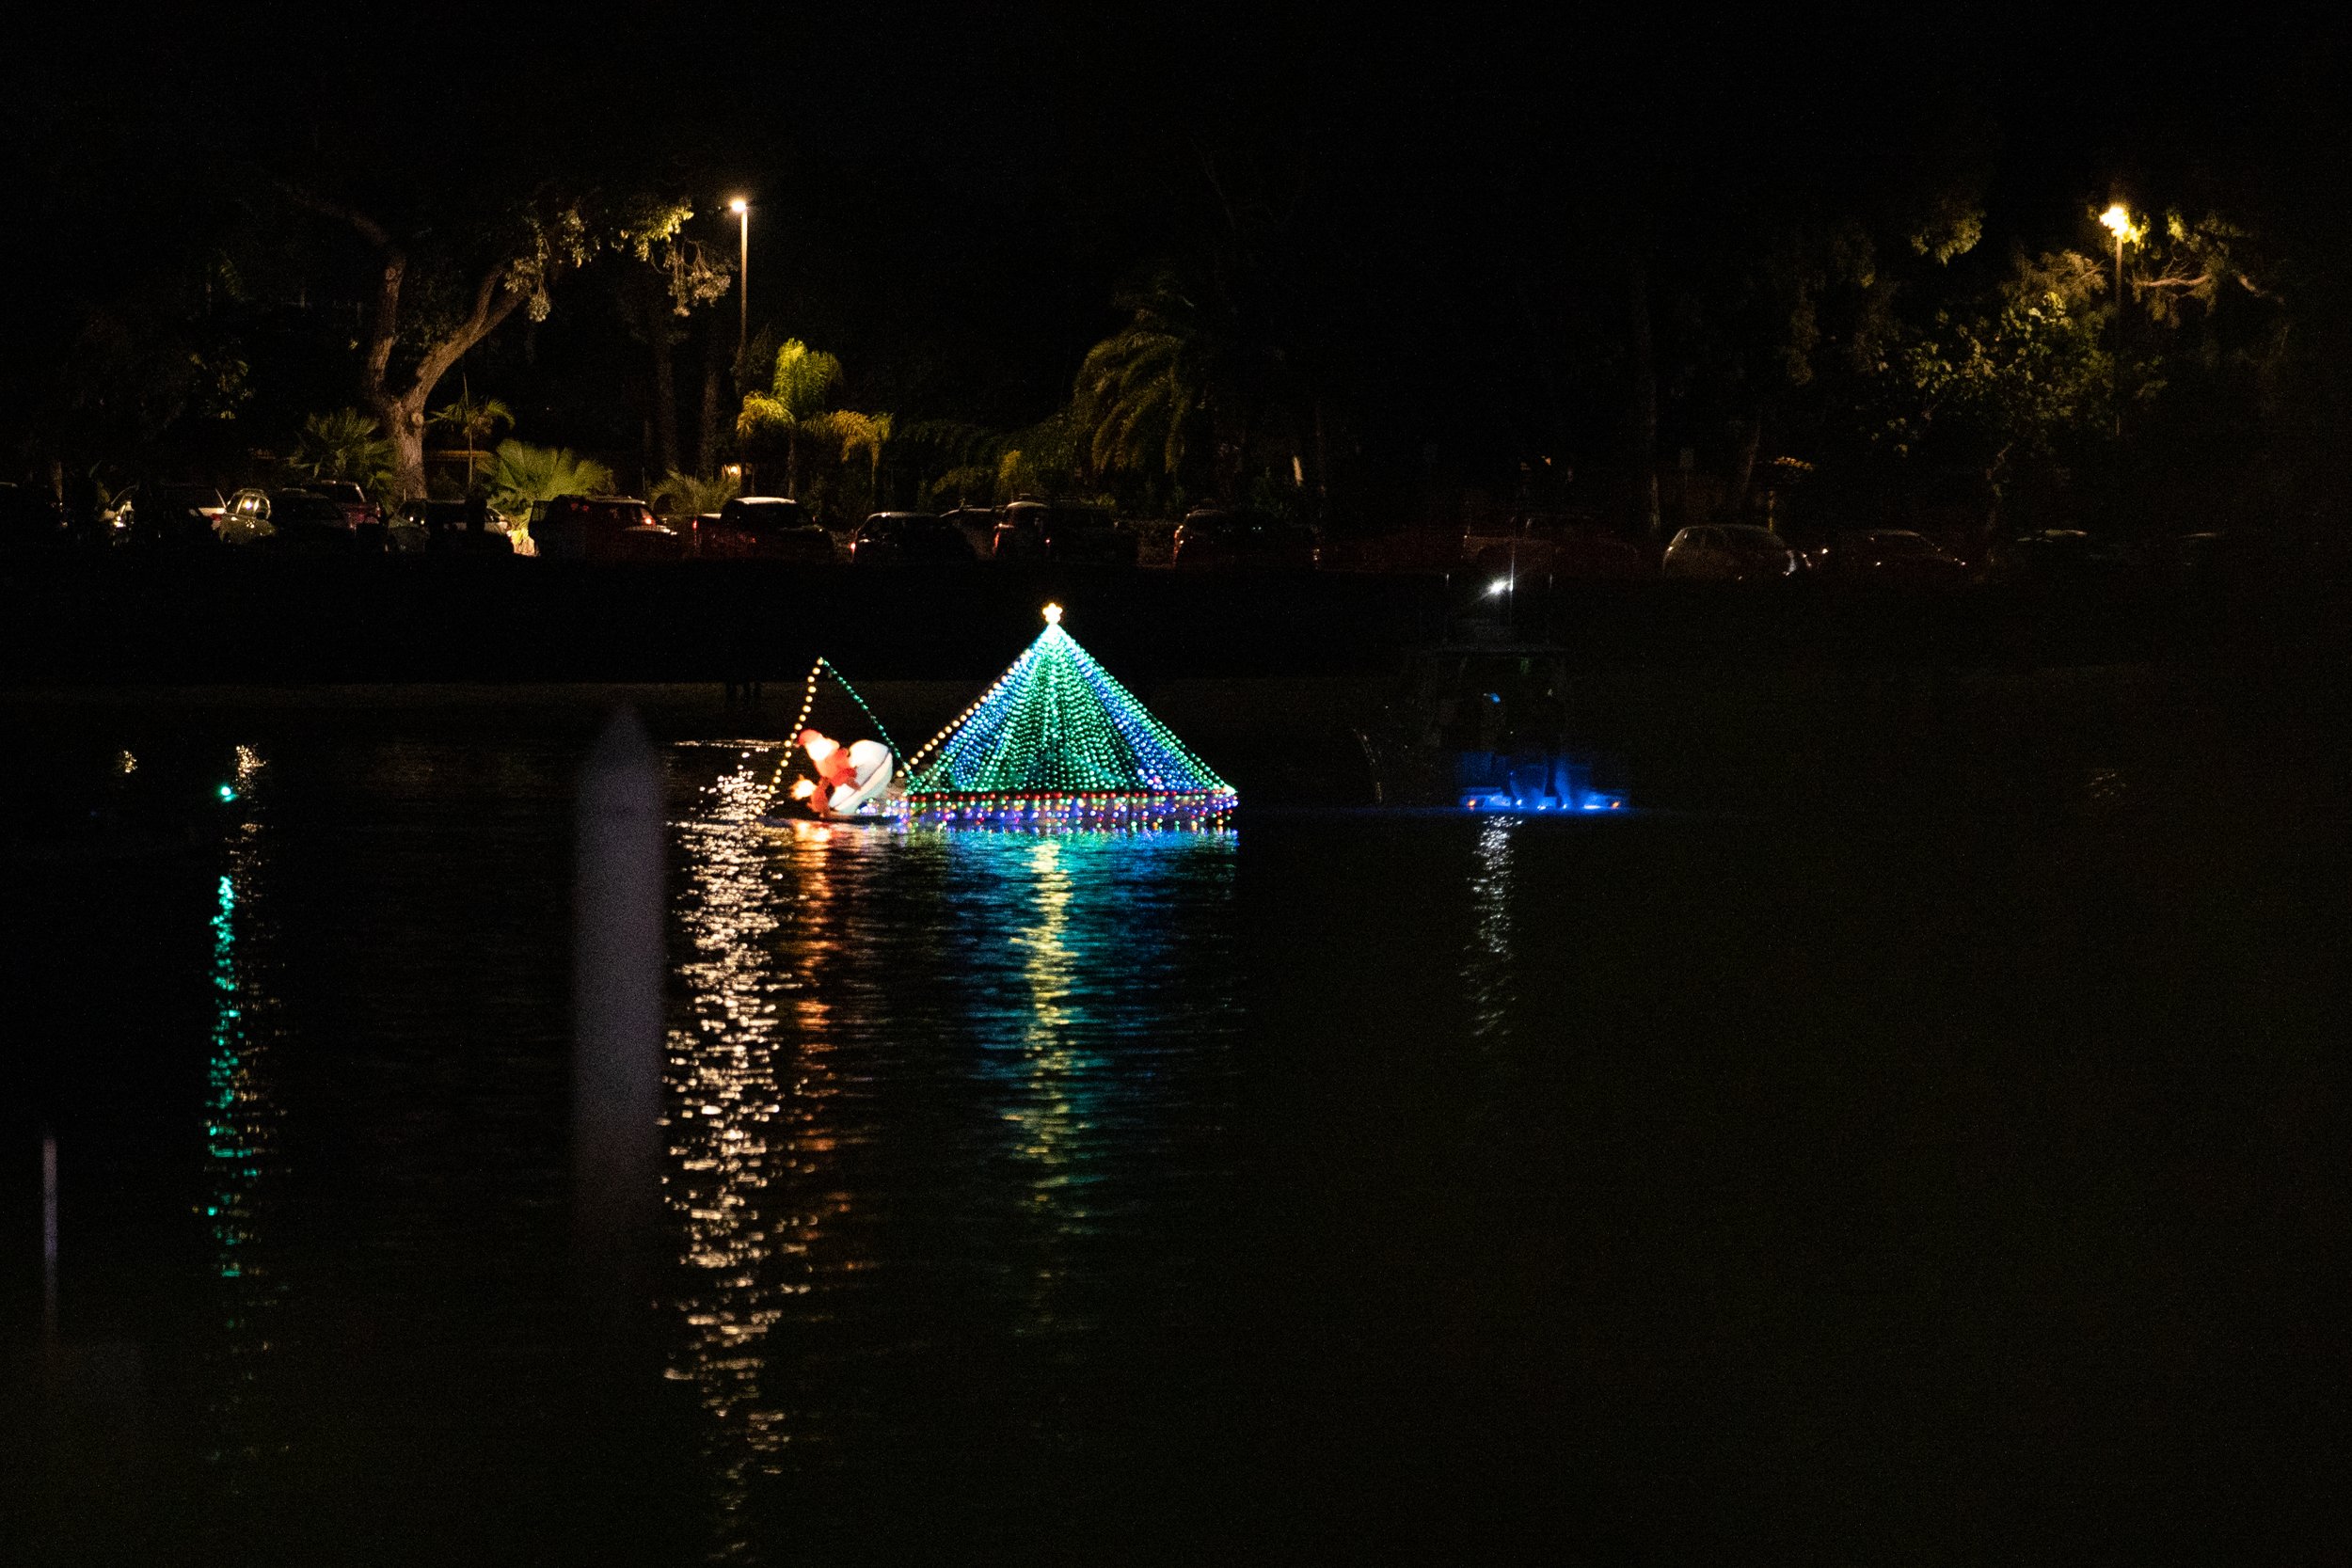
2117 220
742 211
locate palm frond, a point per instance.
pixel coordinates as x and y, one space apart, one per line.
345 444
804 378
678 495
521 475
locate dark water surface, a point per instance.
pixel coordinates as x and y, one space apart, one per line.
1415 1188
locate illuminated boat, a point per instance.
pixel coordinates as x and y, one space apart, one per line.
1484 726
1057 741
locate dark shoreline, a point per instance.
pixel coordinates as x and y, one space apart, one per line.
203 619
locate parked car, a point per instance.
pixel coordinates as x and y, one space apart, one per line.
1590 552
365 517
305 519
1891 557
764 528
603 528
2057 555
449 527
1554 544
977 524
1728 552
909 539
1216 538
169 516
245 520
1061 533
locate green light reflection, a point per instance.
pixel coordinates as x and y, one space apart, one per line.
241 1142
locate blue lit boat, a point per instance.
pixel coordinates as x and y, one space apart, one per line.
1484 726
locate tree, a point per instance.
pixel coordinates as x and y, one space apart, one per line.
682 495
418 328
955 459
521 476
1050 457
1144 393
472 421
134 368
2190 265
1788 309
1644 389
2003 382
1180 390
794 405
655 301
345 444
868 434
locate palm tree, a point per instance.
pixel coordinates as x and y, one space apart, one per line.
683 495
345 444
1144 393
519 476
866 433
794 405
1182 381
472 421
1049 457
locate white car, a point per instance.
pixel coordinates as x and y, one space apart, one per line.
1729 552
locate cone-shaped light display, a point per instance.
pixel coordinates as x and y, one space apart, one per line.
1055 740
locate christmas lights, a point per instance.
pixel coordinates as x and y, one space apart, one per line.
1056 742
808 701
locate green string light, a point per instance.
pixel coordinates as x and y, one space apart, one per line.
1057 736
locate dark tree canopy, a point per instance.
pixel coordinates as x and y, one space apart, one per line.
1395 266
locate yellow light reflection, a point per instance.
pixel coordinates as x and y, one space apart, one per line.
1045 1119
751 1132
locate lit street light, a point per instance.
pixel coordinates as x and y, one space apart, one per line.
743 210
2117 220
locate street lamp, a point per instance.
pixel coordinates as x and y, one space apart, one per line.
742 211
2118 221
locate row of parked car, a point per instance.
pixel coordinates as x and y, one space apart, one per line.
326 517
1557 547
336 517
1902 558
775 528
1552 547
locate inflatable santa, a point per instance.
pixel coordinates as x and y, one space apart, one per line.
848 777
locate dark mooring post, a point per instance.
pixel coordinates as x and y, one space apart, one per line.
619 1441
617 1014
48 1238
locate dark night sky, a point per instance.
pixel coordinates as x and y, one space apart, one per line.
946 198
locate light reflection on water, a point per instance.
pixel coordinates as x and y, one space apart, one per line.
242 1161
1557 1144
991 1058
727 1124
1486 969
